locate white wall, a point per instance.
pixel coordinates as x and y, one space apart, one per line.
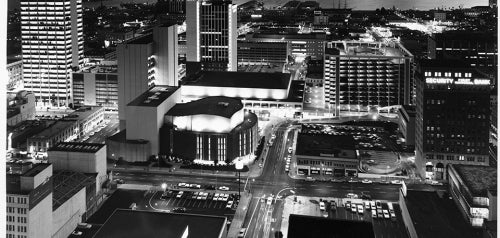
40 219
260 93
66 217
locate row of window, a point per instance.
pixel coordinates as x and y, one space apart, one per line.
14 236
458 157
20 200
19 210
19 228
447 74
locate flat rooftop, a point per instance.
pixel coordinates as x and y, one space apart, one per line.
77 147
54 129
133 223
218 106
27 170
99 68
301 226
82 112
240 80
441 63
433 216
315 145
144 39
154 96
479 179
68 183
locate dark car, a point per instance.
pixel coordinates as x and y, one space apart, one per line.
210 196
210 187
179 209
366 197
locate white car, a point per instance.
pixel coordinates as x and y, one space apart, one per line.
224 188
366 181
374 214
179 195
393 214
372 205
322 206
181 185
360 209
386 214
84 225
352 195
229 205
367 205
290 149
226 197
354 207
269 200
77 233
396 182
241 234
216 197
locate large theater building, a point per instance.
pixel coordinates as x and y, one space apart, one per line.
211 130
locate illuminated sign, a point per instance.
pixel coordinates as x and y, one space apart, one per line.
459 81
256 16
439 80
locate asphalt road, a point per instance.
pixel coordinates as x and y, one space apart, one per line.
110 129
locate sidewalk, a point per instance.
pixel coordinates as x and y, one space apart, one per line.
177 170
239 216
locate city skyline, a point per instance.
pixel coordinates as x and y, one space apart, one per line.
250 119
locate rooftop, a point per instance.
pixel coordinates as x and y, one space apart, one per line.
77 147
301 226
53 129
82 113
143 39
315 145
68 183
154 96
27 170
479 179
122 137
100 68
133 223
448 63
218 106
240 80
433 216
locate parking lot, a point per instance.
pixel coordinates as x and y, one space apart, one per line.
198 202
382 226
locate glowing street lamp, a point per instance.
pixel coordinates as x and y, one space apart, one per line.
239 166
164 186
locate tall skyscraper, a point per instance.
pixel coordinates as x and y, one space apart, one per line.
211 34
145 61
52 44
452 119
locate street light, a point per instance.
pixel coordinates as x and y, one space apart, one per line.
239 166
164 186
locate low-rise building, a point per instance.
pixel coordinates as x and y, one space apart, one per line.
426 214
473 189
96 85
262 53
326 155
15 71
21 108
80 157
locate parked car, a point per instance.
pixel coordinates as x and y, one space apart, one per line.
366 197
322 206
333 205
179 195
386 214
226 197
216 197
181 185
367 204
229 204
396 182
378 204
84 225
360 209
352 195
269 200
366 181
310 179
380 214
196 186
242 232
354 207
76 233
393 214
374 214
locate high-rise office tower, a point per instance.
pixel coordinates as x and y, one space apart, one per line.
52 44
211 34
452 117
145 61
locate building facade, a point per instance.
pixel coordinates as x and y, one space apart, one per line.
21 108
29 203
260 53
406 123
452 120
326 155
146 61
211 34
473 188
52 45
96 85
15 71
362 76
